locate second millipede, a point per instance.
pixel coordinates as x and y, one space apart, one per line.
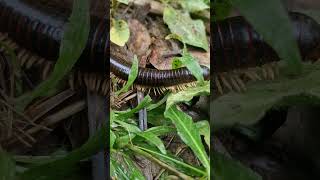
35 30
237 48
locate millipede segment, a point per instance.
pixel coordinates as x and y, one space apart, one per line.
240 54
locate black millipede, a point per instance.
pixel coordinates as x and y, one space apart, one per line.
40 31
238 48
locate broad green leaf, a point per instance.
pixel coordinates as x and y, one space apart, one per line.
7 166
194 5
189 134
63 167
271 20
175 162
73 43
191 31
132 76
249 107
204 129
227 169
188 94
119 32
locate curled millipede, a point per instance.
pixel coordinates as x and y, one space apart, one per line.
37 34
238 49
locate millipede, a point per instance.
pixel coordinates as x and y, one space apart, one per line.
35 34
240 53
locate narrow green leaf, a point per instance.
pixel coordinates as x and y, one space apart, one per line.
7 166
204 129
112 139
132 76
128 127
188 134
126 114
153 140
227 169
249 107
271 20
191 31
192 64
124 1
123 167
119 32
173 161
63 167
188 94
73 43
161 130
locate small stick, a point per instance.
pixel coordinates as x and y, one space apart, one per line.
142 113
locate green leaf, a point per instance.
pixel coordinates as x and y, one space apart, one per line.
73 43
63 167
124 1
7 166
112 139
128 127
204 129
173 161
153 140
161 130
132 76
227 169
188 134
221 9
188 94
249 107
119 32
126 114
191 31
194 5
125 169
271 20
192 64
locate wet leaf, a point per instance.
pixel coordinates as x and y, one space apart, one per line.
119 32
191 31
